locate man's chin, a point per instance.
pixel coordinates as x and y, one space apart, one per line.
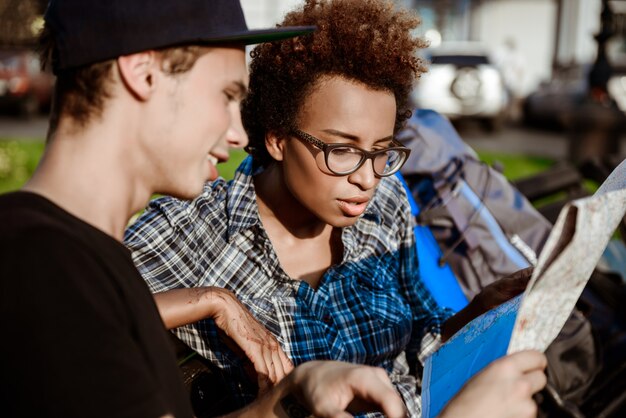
187 193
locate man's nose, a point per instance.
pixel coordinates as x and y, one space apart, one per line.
236 136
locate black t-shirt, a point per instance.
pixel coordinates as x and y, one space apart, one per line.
81 335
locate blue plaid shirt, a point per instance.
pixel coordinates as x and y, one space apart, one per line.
370 309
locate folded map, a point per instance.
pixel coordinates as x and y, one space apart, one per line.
534 319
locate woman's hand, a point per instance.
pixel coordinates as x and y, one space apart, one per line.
242 333
253 339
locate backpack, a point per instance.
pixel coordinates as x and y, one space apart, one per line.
473 228
486 229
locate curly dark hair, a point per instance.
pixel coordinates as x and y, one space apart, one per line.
368 41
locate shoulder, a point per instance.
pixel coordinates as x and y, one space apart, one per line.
182 212
46 264
35 228
170 240
168 216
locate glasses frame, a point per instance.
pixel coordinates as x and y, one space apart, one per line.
367 155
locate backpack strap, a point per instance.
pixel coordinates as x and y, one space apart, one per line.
447 184
438 279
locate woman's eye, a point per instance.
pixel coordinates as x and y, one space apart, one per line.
344 151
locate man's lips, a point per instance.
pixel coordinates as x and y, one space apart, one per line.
216 158
213 160
213 174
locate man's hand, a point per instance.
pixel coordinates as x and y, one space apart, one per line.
491 296
241 331
503 390
328 388
504 289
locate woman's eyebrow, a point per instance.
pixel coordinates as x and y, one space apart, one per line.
351 137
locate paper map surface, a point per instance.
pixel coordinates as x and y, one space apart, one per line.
534 319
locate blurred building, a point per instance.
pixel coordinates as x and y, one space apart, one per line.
546 33
266 13
20 22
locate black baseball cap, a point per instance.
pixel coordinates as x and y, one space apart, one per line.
91 31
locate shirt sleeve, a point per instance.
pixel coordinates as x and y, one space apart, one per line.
406 386
70 349
163 244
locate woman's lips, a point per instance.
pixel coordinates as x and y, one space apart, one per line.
353 207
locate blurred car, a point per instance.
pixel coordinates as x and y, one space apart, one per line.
23 86
462 82
562 94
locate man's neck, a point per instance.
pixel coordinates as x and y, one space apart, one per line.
89 173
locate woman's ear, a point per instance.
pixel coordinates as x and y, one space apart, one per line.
139 73
275 145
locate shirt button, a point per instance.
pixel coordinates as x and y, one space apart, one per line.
327 319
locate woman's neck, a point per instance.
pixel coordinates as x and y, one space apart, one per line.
278 206
305 245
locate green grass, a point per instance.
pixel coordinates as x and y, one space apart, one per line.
227 169
517 166
19 158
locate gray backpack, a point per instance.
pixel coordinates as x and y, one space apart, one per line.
486 229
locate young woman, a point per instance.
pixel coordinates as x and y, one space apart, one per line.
314 234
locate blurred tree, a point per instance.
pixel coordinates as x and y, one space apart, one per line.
20 22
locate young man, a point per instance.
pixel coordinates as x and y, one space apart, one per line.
130 119
137 111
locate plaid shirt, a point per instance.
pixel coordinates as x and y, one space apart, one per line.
369 309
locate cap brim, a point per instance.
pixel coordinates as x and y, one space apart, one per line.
256 36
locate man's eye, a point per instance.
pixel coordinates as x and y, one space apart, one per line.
229 96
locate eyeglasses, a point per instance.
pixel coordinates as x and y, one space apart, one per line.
344 159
